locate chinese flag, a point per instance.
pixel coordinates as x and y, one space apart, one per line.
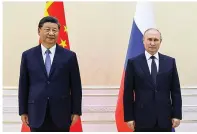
56 9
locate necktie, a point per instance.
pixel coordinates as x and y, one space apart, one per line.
153 69
48 61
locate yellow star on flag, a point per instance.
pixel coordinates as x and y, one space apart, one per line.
65 29
63 43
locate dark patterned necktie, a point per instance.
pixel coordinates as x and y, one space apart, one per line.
153 69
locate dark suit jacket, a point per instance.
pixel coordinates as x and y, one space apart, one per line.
146 102
62 89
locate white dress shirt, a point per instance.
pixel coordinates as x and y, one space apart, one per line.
52 50
149 60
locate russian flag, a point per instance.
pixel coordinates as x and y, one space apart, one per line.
143 19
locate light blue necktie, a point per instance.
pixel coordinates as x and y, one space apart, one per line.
48 61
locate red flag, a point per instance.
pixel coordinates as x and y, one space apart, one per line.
25 128
119 114
56 9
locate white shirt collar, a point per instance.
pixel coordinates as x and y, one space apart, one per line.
149 55
52 49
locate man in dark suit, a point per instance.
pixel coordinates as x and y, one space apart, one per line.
50 90
152 96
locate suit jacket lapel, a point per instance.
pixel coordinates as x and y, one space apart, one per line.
161 63
57 56
40 59
161 66
145 68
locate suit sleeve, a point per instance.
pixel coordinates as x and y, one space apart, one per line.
23 87
176 94
128 95
76 88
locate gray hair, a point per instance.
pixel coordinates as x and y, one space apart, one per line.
152 29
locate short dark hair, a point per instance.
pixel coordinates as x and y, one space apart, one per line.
153 29
48 19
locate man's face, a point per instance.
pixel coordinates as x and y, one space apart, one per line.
48 33
152 41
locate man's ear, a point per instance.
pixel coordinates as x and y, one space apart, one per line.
38 31
143 39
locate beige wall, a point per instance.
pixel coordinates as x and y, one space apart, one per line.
99 34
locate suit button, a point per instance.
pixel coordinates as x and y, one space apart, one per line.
155 90
48 98
48 82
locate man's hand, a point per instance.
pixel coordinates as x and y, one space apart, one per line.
131 125
74 118
24 118
175 122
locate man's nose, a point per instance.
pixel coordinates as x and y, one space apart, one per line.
152 43
51 32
